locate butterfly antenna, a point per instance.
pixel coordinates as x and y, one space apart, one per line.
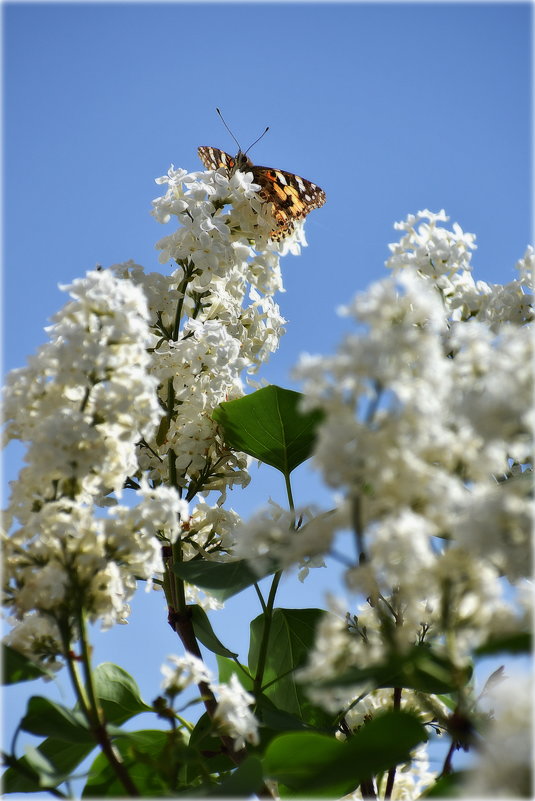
257 140
228 129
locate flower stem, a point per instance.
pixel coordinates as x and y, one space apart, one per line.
94 714
268 617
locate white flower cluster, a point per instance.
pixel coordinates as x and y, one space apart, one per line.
428 432
123 395
271 535
232 716
212 318
85 398
82 404
428 436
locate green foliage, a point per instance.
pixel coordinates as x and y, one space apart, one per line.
221 579
205 633
518 643
290 640
118 693
17 667
446 786
268 425
319 764
69 740
154 760
46 718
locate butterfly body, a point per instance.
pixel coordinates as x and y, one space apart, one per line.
290 196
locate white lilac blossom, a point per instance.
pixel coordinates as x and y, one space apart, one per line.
213 318
85 398
66 556
82 405
183 671
38 638
428 436
271 536
233 715
123 395
210 531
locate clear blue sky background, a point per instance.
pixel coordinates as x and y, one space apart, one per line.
391 108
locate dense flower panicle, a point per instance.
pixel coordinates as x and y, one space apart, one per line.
66 556
428 434
124 393
86 397
82 405
210 531
212 319
38 637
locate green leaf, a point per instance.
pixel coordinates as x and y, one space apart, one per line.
20 777
291 638
518 643
268 425
18 667
119 697
420 668
227 667
32 773
315 762
221 579
205 633
243 782
153 759
446 786
277 720
45 772
118 693
44 717
207 746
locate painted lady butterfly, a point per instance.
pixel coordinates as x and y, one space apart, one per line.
290 196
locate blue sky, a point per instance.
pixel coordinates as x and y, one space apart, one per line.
390 108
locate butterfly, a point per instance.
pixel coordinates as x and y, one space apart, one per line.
291 197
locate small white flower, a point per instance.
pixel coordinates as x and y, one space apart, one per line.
233 714
183 671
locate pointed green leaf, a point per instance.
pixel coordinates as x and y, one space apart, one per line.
44 717
291 638
243 782
268 425
205 633
227 667
314 762
118 693
517 643
152 759
63 755
18 667
220 579
120 699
